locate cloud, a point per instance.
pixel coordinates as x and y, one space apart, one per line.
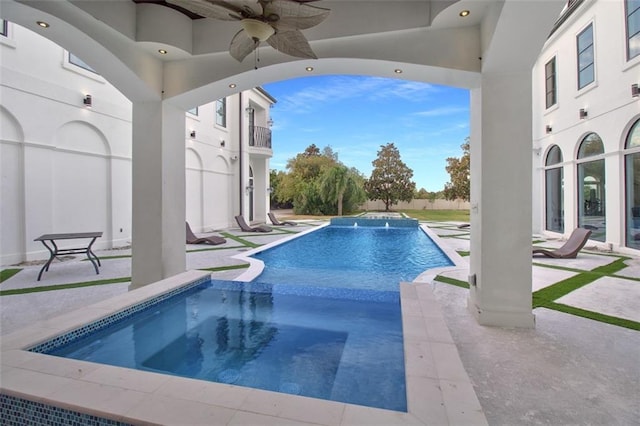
334 89
440 111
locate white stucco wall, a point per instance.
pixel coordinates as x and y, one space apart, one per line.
68 168
608 101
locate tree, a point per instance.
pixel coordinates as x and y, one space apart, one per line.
339 183
459 172
390 179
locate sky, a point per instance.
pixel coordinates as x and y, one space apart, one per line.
355 115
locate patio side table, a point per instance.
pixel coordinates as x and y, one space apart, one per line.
54 251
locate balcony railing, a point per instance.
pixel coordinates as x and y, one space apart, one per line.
260 137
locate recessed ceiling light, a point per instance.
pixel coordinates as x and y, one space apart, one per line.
309 69
42 24
232 85
162 51
398 71
464 13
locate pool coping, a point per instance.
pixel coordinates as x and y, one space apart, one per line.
439 390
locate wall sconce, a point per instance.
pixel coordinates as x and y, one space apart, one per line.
249 110
583 113
87 101
269 189
222 142
635 91
270 123
249 189
192 134
548 129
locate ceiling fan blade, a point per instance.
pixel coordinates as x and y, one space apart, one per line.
217 9
293 43
242 45
293 15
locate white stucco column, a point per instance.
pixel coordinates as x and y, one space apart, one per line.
158 217
501 185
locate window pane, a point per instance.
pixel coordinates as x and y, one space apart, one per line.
554 156
193 111
590 145
633 140
73 59
586 76
550 82
634 46
3 27
632 171
554 200
591 198
585 38
221 112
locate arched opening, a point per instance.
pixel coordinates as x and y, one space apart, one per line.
632 186
554 190
591 186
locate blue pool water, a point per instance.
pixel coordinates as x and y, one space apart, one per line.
376 258
341 345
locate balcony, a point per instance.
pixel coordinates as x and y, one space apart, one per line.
260 137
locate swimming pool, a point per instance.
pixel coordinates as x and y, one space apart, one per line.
322 343
360 257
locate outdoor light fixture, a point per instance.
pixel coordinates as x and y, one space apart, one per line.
87 101
162 51
398 71
249 188
222 142
42 24
309 69
583 113
249 110
270 123
464 13
548 129
193 134
635 91
269 189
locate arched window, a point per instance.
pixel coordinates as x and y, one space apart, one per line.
554 190
632 186
591 186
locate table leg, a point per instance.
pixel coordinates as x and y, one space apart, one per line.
90 253
52 255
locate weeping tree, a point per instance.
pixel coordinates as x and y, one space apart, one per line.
339 184
390 179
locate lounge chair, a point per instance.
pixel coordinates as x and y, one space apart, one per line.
276 222
212 239
246 228
570 249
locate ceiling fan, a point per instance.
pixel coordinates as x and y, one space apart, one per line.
278 22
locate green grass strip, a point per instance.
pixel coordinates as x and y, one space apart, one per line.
225 268
240 240
464 253
612 267
452 281
63 286
621 322
215 248
5 274
547 295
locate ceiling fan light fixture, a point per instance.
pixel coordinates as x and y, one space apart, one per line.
257 30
